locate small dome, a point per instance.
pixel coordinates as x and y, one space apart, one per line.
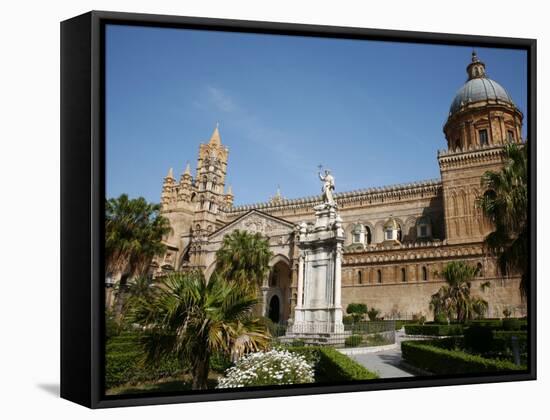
391 223
479 89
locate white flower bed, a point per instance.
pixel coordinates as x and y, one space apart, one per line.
274 367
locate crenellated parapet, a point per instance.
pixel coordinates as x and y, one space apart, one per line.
366 196
471 156
429 250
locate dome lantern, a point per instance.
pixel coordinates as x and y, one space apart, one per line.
476 69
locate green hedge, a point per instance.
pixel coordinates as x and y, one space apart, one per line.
487 340
124 363
353 340
511 324
490 323
127 367
427 355
434 329
369 327
400 323
333 366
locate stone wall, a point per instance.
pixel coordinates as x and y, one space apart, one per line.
401 278
401 300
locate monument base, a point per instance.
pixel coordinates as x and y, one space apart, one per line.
330 332
318 314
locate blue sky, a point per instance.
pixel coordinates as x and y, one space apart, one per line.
372 112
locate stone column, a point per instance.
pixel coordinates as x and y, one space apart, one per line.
338 277
464 137
300 281
264 301
473 138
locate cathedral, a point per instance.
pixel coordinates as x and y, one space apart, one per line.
396 239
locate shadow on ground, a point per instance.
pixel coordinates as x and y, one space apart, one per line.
394 359
52 389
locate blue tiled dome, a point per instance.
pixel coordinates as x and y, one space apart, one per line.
479 89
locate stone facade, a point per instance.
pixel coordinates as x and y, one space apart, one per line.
396 239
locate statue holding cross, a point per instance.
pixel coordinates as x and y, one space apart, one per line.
328 186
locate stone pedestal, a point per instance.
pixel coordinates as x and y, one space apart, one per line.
318 308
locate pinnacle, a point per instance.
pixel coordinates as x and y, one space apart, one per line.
215 139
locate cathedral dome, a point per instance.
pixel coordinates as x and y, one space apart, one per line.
479 88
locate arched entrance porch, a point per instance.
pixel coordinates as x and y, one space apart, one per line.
276 290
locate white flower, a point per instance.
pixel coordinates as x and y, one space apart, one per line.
274 367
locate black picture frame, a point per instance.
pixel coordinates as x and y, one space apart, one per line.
83 192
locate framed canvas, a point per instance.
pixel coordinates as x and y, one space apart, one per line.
256 209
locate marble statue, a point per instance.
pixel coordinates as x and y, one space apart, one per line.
328 187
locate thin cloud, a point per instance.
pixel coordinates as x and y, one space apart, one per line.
221 100
256 131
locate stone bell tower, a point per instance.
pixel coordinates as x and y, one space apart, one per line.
209 194
482 119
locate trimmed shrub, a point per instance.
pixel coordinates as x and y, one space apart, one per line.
356 308
491 323
333 366
427 355
353 340
507 335
400 323
511 324
124 363
434 329
478 339
128 367
356 311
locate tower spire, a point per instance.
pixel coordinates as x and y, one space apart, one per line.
215 138
187 169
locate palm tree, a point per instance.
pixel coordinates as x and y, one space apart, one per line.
244 258
192 318
138 289
506 205
134 230
455 299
